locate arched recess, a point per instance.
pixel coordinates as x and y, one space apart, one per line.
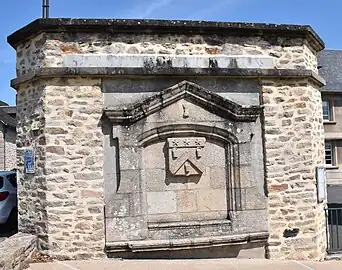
214 135
179 130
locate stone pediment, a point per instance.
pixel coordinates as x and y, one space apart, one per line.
198 95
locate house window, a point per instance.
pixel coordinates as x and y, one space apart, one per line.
329 153
326 110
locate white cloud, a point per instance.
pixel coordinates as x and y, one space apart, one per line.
214 7
149 9
200 9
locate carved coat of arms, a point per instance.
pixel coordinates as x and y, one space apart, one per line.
185 156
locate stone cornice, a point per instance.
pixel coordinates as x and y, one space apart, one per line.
268 31
107 72
174 244
184 90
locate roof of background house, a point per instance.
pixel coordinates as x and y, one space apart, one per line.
3 103
9 109
6 119
330 63
7 114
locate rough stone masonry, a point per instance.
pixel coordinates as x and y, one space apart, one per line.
169 138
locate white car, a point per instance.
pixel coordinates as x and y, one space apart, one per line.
8 197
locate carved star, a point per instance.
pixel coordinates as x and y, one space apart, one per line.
186 142
174 143
197 142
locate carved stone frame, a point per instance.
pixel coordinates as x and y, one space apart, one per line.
126 125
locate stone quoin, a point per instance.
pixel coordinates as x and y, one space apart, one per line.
170 139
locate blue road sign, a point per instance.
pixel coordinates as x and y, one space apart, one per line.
29 161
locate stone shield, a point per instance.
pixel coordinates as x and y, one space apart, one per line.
185 156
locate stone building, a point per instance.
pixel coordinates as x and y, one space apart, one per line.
170 138
8 151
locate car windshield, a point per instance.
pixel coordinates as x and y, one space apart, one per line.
1 182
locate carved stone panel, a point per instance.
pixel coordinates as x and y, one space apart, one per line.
184 159
185 156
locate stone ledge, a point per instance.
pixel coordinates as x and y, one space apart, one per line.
171 225
95 72
187 243
171 61
16 251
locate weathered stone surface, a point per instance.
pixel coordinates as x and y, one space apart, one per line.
155 179
251 220
68 170
187 201
218 177
119 207
120 229
138 61
55 149
212 200
130 158
292 142
127 91
10 150
255 198
51 52
91 194
161 202
16 251
154 157
129 181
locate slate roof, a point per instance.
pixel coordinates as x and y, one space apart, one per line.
9 109
6 119
330 62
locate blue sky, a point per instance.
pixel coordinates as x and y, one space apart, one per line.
324 17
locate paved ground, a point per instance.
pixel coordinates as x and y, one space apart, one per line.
218 264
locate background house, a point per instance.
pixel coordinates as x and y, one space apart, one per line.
330 68
7 137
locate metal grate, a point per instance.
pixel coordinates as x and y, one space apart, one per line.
334 230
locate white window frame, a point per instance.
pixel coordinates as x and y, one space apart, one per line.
332 148
327 110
